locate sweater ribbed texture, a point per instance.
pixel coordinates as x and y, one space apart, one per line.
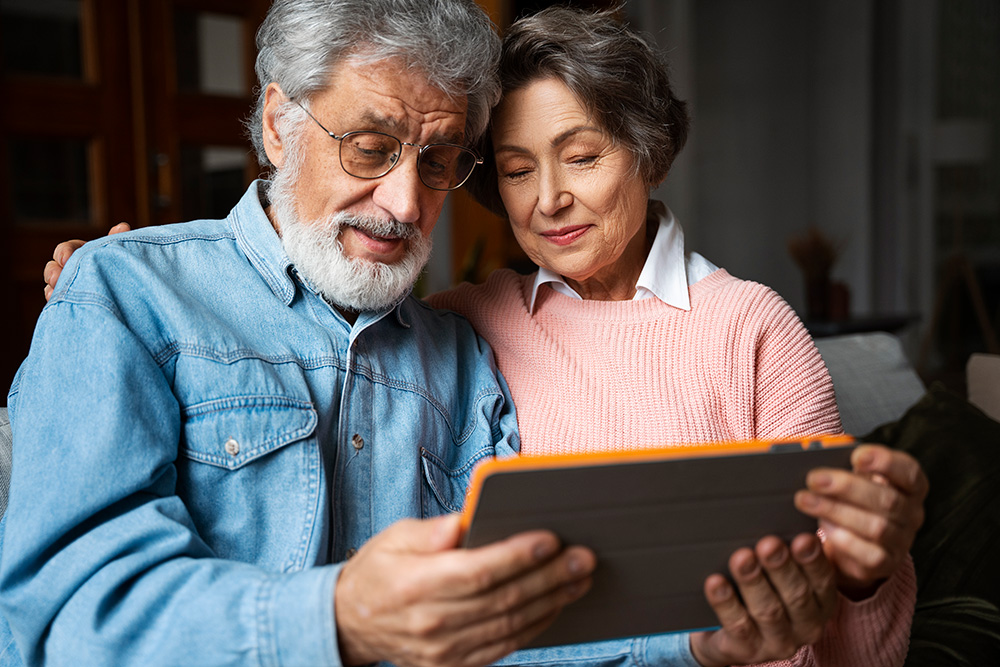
590 376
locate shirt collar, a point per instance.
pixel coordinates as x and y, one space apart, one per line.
260 243
663 276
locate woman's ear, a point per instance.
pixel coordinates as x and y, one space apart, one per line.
274 98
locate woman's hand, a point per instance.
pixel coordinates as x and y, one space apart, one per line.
788 595
870 516
62 254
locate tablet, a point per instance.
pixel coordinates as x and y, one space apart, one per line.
660 521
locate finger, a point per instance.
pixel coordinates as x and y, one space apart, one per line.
808 553
65 249
899 468
865 525
51 272
532 558
120 227
858 558
732 615
48 292
559 579
797 618
517 625
760 599
842 490
793 588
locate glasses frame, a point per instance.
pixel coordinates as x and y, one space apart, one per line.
478 160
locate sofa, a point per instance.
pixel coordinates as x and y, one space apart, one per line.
882 399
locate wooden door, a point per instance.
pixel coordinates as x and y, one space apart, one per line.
108 103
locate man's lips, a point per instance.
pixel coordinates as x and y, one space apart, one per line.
565 235
376 244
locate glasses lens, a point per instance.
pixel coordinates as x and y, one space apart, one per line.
368 154
444 166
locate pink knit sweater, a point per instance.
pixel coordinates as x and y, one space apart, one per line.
617 375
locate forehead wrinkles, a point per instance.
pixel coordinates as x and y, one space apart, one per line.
404 101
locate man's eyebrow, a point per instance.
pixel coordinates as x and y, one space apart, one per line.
557 140
374 121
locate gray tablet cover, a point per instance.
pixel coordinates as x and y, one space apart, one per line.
658 528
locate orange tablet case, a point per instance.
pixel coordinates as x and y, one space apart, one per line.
659 520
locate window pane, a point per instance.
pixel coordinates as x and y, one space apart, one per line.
213 180
50 180
42 37
210 53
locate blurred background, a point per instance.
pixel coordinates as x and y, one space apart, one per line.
844 152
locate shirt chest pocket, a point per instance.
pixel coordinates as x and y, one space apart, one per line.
233 432
250 475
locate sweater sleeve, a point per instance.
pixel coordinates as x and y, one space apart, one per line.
793 395
794 398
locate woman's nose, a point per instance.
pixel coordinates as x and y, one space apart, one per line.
553 194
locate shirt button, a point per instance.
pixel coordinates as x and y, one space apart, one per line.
350 552
232 447
358 442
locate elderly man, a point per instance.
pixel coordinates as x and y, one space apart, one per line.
221 424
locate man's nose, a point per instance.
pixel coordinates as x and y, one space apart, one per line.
399 192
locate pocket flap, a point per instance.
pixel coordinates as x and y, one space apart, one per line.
231 432
450 485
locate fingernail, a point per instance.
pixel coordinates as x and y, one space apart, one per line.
808 500
820 479
577 565
777 558
749 568
866 458
721 593
811 551
544 550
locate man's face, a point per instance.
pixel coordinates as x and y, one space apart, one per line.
379 96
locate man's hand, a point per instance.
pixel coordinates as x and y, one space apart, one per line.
61 255
870 516
410 597
788 595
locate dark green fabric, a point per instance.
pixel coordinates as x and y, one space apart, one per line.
957 551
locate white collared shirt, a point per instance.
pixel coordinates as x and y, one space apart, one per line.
666 275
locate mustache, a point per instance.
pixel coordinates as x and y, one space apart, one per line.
372 225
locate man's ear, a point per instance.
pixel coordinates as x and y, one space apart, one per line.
273 146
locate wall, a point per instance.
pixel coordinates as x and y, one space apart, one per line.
781 100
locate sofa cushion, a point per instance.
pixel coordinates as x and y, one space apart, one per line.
872 378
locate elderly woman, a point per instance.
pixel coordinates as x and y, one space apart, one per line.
622 340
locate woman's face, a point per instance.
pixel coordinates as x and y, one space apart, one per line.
574 201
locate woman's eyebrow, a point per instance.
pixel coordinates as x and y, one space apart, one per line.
556 141
563 136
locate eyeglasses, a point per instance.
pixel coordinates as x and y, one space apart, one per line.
370 155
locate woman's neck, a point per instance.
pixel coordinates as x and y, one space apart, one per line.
617 281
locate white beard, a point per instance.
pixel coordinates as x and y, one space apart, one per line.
351 283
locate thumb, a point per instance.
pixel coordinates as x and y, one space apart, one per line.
426 535
446 532
120 227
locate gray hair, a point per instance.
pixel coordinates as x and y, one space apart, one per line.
451 42
614 72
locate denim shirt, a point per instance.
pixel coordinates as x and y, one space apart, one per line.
200 440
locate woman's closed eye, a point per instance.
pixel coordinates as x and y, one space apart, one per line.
514 173
584 159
